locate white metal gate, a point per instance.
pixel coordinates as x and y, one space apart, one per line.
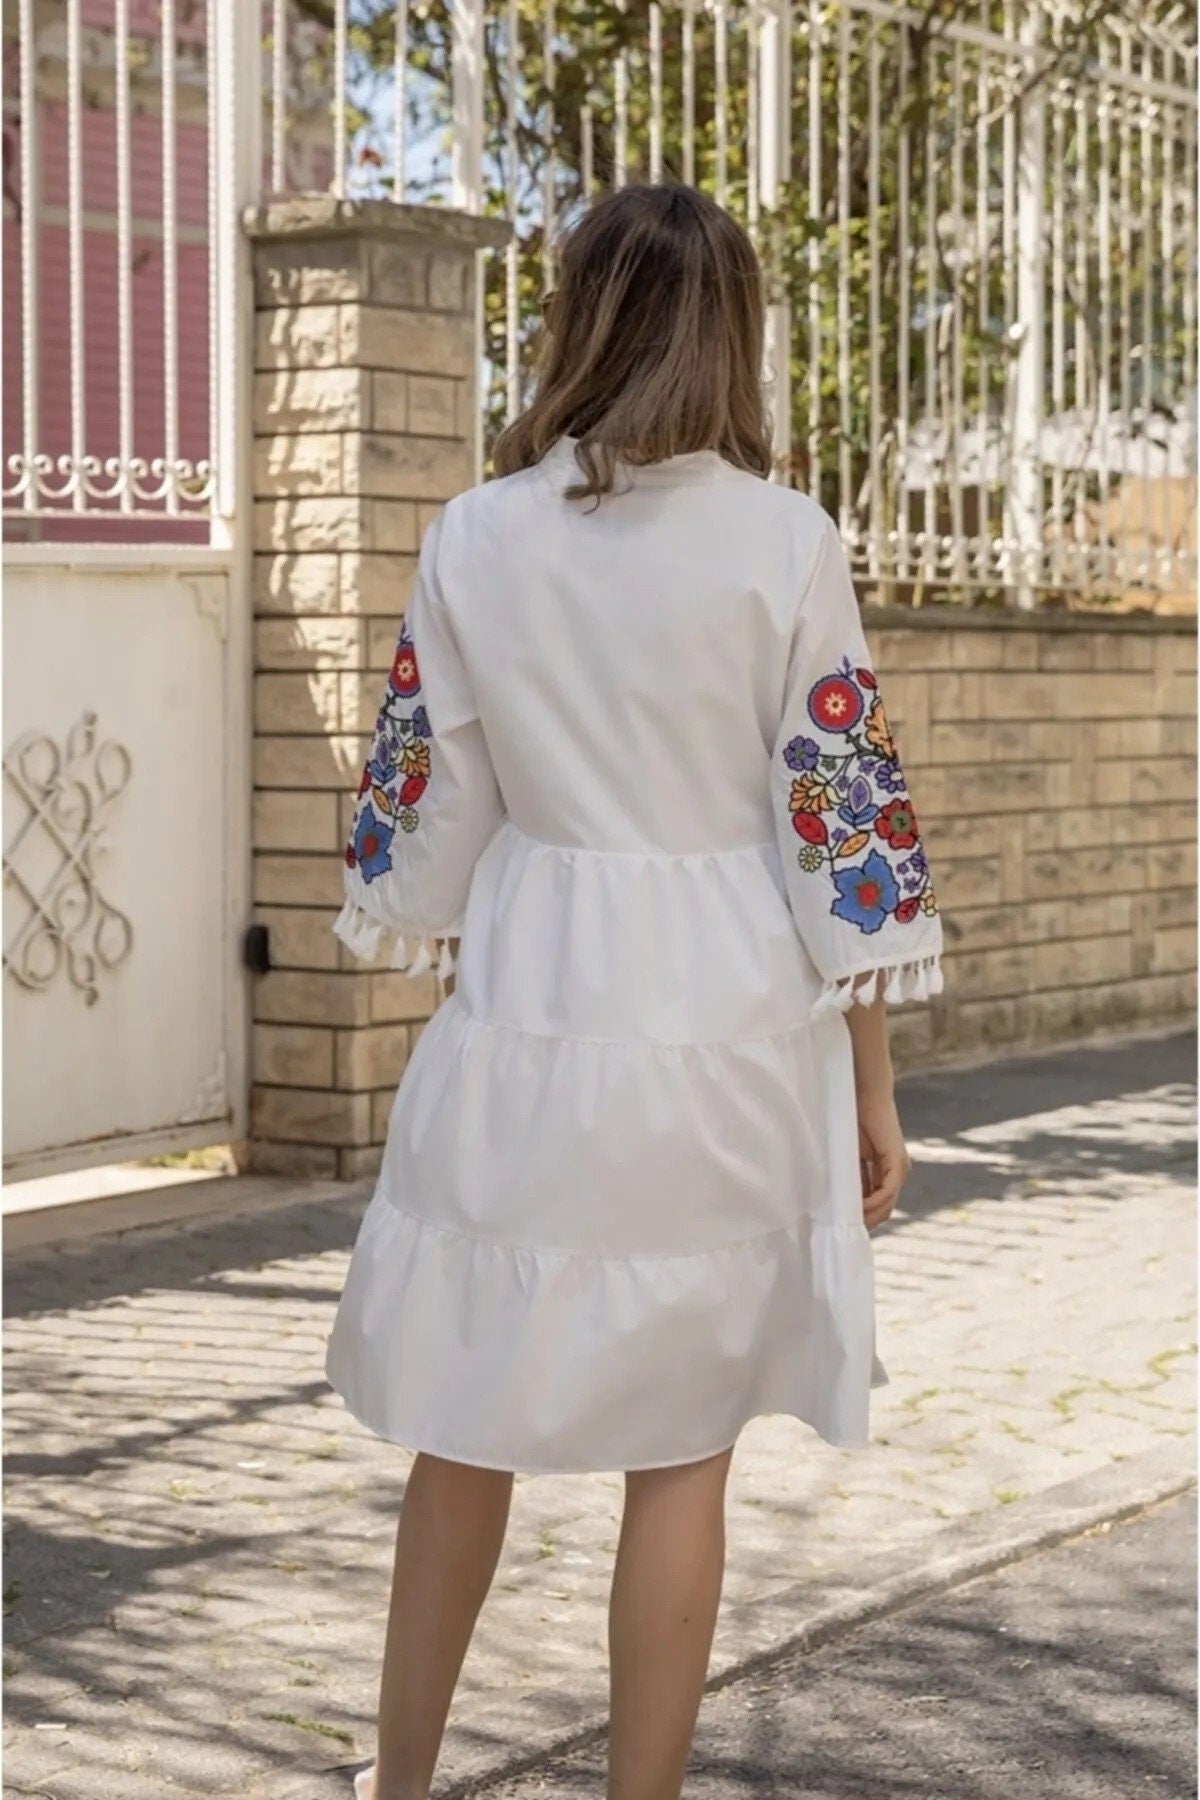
130 145
123 907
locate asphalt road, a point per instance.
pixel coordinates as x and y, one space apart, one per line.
1069 1676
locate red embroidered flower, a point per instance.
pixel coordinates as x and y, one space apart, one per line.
365 783
898 824
404 678
908 909
866 678
412 790
835 704
351 859
811 827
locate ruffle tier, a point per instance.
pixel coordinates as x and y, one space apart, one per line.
545 1362
605 1255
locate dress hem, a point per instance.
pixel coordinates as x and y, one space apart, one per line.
473 1461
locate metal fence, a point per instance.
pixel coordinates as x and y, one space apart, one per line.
978 222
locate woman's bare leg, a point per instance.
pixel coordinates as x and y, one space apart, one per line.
447 1545
665 1593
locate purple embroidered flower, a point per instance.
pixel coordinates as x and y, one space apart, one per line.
859 809
890 777
802 753
420 723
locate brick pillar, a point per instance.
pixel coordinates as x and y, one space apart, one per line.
365 396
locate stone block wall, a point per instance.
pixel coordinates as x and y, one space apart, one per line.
1051 759
364 414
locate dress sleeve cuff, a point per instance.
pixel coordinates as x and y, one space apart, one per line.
896 983
413 953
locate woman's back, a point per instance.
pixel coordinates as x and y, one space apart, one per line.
628 659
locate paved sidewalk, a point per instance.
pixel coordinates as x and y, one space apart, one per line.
199 1536
1071 1676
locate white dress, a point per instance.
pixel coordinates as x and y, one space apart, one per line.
633 754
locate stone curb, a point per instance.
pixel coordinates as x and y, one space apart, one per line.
963 1552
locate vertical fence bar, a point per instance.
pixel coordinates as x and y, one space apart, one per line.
400 102
1189 250
954 386
845 502
340 29
1025 486
1146 232
212 206
279 72
775 173
816 216
929 536
721 101
30 253
903 308
549 185
1058 305
587 150
753 118
170 264
1083 569
124 258
466 156
512 251
656 92
983 547
621 113
75 252
1125 302
1169 134
235 119
688 53
874 347
1104 287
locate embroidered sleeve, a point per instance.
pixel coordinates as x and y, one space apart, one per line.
427 800
857 875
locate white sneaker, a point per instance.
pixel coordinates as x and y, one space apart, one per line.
364 1784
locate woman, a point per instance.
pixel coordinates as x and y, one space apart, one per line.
633 752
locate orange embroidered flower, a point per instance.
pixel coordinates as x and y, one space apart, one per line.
879 732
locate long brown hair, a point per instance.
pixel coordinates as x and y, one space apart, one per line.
653 342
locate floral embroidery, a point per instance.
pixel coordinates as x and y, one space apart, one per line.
850 806
397 770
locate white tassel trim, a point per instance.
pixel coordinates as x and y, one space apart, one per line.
358 930
363 935
905 981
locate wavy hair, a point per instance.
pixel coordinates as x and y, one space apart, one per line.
653 342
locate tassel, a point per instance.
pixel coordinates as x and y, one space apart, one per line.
865 995
400 954
357 930
445 968
893 993
421 961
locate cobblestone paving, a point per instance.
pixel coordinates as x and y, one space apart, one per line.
198 1536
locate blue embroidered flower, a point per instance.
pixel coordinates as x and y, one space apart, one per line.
802 753
420 723
372 844
867 894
